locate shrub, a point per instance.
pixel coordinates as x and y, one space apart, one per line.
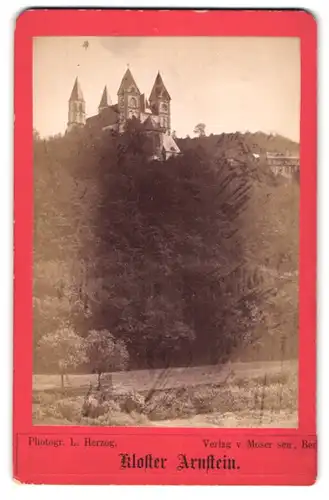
62 349
167 405
70 408
203 399
132 402
225 400
93 407
271 378
44 398
100 402
47 411
117 419
111 407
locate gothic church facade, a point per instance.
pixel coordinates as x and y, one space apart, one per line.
153 113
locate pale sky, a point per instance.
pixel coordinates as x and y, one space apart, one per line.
230 84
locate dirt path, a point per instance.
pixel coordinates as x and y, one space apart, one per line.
142 380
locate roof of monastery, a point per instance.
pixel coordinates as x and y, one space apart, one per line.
108 116
76 94
169 144
150 122
159 90
105 100
127 81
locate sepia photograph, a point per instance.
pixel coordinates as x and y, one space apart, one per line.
166 231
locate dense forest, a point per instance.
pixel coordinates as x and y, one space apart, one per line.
189 261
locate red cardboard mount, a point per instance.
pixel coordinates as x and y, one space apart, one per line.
94 455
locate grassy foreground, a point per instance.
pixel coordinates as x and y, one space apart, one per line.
249 396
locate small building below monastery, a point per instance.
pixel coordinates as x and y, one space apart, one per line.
286 165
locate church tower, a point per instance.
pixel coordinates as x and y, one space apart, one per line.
77 108
129 99
105 101
160 103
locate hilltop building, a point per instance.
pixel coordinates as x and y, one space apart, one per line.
286 165
153 113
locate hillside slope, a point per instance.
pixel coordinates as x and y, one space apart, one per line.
235 143
174 257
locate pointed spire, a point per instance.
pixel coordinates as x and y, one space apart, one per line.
105 100
159 89
127 82
76 94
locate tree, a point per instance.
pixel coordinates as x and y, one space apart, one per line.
175 291
36 135
172 283
200 129
105 353
269 235
63 350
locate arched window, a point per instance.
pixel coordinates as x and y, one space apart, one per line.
133 102
164 107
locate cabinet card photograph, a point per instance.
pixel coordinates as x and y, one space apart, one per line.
166 231
165 247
